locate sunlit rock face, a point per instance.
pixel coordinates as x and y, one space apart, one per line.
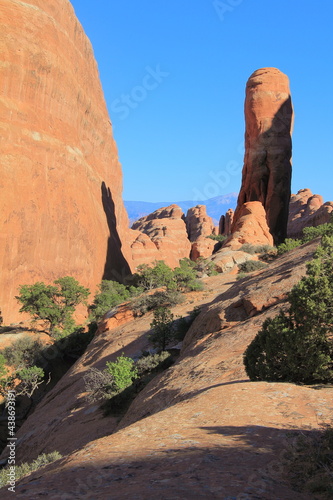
61 211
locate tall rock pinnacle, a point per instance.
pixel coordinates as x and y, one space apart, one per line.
267 164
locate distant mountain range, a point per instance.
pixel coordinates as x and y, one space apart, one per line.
216 206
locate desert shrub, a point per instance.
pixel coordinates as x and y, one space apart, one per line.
53 304
24 352
27 468
195 286
147 367
251 265
151 362
185 276
309 462
204 266
3 369
310 233
118 403
288 245
110 294
198 267
217 237
162 328
155 277
255 249
248 248
145 303
240 276
123 372
115 378
297 346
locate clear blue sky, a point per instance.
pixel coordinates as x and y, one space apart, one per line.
174 74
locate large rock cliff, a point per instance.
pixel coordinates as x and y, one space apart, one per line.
267 164
61 211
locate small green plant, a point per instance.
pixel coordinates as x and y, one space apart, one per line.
162 328
150 362
309 233
289 244
30 379
186 275
110 294
115 378
144 303
123 372
297 346
27 468
160 275
312 232
240 276
256 249
251 265
3 369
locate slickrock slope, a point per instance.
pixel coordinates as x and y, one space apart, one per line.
199 225
267 163
199 430
61 211
307 209
167 230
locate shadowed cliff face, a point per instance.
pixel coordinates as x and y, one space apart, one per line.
116 266
267 163
56 150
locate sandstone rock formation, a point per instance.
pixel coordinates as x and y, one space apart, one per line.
307 209
143 249
195 430
61 211
267 163
250 227
199 225
226 221
167 230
